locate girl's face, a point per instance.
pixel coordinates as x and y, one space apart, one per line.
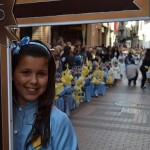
30 78
56 51
116 64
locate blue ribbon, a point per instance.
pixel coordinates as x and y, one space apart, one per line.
25 41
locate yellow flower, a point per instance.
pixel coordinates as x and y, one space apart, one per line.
59 88
78 93
97 76
66 77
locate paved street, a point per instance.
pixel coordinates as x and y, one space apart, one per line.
119 120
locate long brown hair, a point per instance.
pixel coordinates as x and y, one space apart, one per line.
41 125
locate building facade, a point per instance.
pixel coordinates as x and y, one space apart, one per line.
89 34
134 34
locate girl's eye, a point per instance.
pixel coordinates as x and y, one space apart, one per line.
26 72
42 74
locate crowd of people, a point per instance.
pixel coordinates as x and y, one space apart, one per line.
105 67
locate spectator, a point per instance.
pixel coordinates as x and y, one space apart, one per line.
132 72
143 69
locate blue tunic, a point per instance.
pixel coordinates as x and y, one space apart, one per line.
63 136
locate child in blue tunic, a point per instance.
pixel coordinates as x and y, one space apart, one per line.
38 124
102 85
59 93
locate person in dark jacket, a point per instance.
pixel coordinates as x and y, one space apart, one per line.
143 69
132 72
67 58
115 52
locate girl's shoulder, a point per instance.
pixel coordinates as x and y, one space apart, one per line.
63 135
57 116
55 112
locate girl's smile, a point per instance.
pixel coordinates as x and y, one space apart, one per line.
32 91
30 78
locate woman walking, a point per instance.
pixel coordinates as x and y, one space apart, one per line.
144 69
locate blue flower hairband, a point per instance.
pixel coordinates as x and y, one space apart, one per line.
25 41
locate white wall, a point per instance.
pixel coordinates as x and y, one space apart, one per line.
146 35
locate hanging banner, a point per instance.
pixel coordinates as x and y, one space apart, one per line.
54 8
76 11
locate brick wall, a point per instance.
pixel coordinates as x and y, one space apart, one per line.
41 33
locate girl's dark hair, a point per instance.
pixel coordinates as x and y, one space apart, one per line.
67 50
147 55
41 125
132 61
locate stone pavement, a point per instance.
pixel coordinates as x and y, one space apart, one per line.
120 120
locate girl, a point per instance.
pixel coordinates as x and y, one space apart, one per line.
122 68
37 123
110 75
116 71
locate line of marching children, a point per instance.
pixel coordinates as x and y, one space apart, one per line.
83 82
84 72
